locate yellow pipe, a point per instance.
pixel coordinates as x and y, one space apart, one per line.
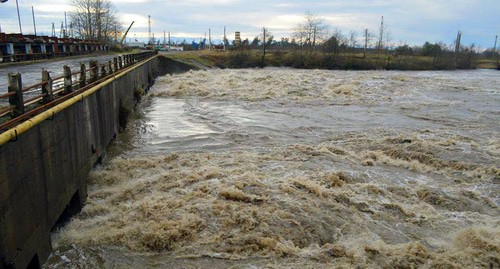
26 125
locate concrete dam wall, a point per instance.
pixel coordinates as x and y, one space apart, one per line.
43 170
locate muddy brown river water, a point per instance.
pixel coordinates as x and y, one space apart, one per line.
285 168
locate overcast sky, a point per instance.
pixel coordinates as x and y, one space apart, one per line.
409 21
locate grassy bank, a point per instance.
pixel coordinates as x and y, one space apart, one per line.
319 60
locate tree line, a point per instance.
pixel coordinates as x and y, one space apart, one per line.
313 46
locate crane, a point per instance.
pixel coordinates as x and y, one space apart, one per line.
125 35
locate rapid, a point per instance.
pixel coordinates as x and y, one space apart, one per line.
286 168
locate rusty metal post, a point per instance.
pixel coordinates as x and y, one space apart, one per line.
115 63
103 71
94 72
47 87
120 62
16 85
83 76
68 83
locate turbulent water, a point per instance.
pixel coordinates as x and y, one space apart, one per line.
285 168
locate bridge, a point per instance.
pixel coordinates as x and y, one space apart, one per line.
52 134
18 47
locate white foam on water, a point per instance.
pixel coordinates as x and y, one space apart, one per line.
287 168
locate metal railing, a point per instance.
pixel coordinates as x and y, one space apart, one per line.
21 103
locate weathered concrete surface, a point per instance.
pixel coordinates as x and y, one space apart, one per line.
45 169
169 66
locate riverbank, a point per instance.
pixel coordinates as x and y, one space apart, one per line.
319 60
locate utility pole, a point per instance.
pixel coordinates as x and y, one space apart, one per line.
65 25
164 39
224 41
495 52
457 44
19 18
366 43
34 23
53 30
494 47
168 39
149 30
264 47
209 39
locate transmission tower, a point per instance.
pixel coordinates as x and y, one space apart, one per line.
61 31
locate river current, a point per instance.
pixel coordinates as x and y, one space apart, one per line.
286 168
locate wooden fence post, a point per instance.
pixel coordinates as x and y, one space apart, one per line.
83 76
16 85
110 68
68 83
47 87
94 72
103 71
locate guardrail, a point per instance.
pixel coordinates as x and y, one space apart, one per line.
25 102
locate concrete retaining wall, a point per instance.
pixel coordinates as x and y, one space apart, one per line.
44 171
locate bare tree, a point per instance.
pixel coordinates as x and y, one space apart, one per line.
95 19
336 41
310 32
266 37
353 39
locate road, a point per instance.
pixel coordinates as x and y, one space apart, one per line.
32 73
